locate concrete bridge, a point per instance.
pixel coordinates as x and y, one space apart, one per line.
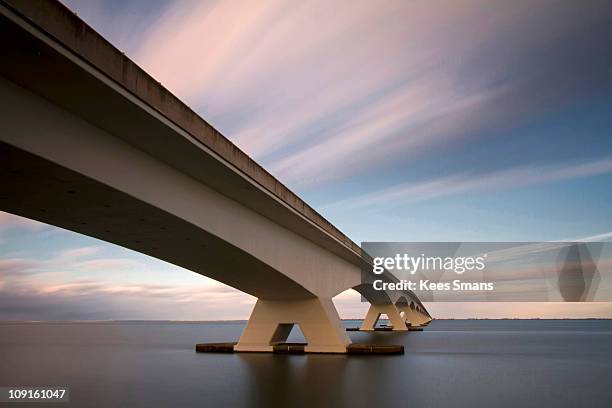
89 142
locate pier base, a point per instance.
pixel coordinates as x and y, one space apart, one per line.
374 312
300 348
382 329
272 320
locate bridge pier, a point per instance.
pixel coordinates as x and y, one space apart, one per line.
374 312
412 316
272 320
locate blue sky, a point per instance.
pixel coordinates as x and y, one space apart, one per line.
398 121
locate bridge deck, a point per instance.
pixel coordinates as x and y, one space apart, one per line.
65 84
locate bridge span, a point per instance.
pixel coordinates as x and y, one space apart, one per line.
89 142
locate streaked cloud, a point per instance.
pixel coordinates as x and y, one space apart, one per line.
417 117
76 253
108 264
12 266
276 76
79 284
466 183
85 300
322 93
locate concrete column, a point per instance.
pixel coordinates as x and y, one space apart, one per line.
374 312
272 320
415 318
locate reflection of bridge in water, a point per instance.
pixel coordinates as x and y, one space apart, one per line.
92 144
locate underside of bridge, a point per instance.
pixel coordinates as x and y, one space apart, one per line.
92 144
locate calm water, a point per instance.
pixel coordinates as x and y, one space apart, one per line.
452 363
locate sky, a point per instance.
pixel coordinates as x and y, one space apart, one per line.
396 120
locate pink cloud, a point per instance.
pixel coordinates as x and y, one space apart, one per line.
10 221
108 264
398 68
526 310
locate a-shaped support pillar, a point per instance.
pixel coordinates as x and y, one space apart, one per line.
374 312
413 317
272 320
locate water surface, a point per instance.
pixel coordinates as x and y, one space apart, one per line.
469 363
